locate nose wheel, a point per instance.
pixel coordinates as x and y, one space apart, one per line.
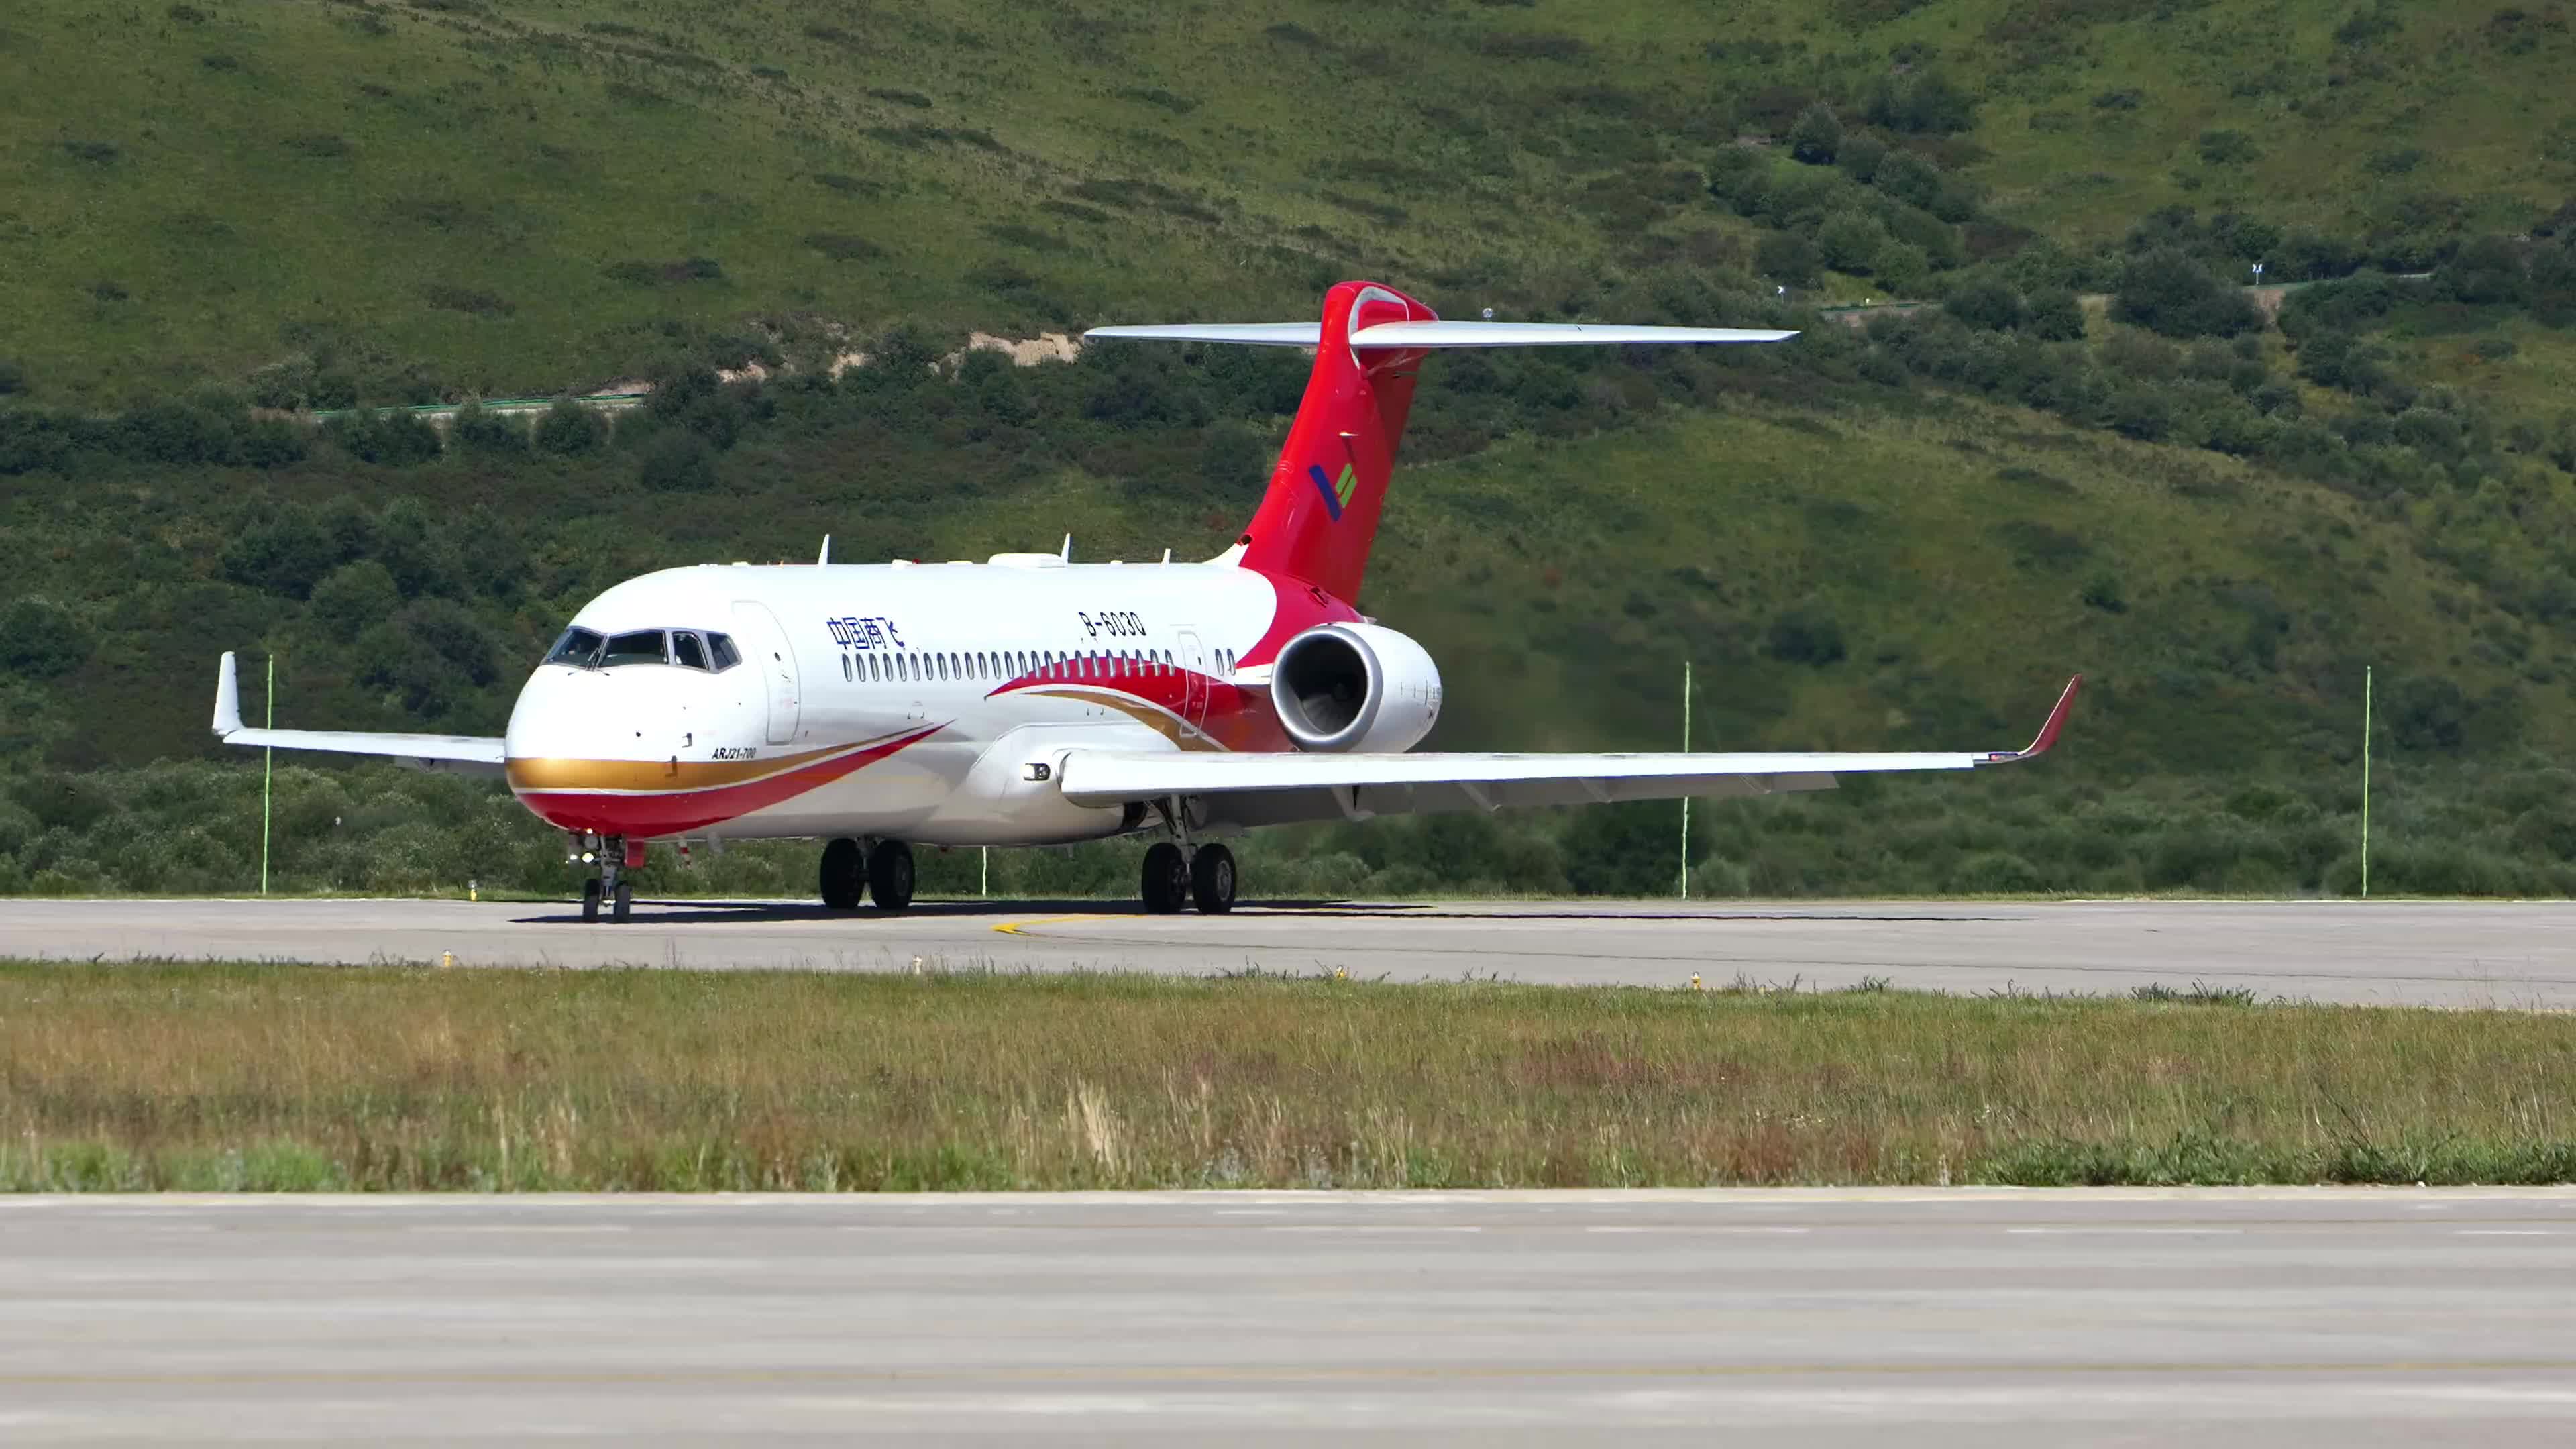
610 887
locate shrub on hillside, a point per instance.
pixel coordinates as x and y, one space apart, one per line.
2486 269
2427 712
286 553
1817 136
1850 242
2056 316
1903 269
353 596
1859 155
392 437
1909 178
1788 258
40 639
568 429
2166 291
678 462
1924 103
1807 634
1987 304
478 429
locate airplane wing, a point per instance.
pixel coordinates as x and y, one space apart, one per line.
465 754
1274 788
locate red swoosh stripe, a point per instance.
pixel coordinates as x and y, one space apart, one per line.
674 812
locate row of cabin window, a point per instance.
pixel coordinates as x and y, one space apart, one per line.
872 668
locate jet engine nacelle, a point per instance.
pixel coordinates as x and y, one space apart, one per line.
1358 687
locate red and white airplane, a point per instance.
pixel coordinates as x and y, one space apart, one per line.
1028 700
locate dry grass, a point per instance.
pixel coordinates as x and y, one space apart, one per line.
275 1077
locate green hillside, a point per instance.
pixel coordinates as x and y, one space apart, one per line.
2088 452
453 196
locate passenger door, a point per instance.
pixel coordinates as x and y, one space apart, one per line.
1194 683
776 661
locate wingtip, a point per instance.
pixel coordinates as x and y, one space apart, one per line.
228 720
2056 718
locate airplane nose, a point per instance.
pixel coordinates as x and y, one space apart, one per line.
631 751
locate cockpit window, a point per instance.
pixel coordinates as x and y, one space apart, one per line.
578 647
689 648
644 646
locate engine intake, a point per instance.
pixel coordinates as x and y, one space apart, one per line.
1355 687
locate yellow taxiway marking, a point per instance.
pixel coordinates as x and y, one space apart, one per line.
1013 928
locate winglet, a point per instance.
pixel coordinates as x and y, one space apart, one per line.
228 720
2048 731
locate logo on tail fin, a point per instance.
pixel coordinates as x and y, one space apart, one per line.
1337 491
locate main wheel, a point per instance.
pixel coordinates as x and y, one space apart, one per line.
1212 880
1167 878
890 875
625 903
845 874
590 899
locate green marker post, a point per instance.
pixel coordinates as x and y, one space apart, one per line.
2365 782
267 776
1686 703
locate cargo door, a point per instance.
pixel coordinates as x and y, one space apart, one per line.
769 652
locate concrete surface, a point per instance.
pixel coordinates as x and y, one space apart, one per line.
1971 1317
2514 954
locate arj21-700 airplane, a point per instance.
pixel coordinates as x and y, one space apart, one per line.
1028 700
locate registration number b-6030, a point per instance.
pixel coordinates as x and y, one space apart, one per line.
1117 624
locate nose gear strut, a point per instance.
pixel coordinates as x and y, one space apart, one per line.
614 857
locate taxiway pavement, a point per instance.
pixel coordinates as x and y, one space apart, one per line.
1970 1317
2508 954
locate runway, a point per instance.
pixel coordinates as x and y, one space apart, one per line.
1972 1317
2511 954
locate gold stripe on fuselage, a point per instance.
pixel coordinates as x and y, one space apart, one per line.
1161 721
656 776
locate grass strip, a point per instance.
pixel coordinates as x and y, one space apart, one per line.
217 1077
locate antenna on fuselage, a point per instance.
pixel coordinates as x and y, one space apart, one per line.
1065 554
826 555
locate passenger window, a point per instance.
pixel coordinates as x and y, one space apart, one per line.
845 666
693 655
644 646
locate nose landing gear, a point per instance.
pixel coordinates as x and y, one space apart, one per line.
614 857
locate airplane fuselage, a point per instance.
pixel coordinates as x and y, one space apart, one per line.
911 701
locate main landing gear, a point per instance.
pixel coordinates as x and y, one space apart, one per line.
882 870
614 857
1204 878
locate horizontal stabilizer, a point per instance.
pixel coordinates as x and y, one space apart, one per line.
1437 334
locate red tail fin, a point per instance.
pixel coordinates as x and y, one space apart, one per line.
1320 516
